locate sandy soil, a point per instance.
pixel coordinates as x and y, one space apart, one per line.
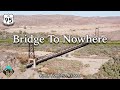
72 30
94 63
81 29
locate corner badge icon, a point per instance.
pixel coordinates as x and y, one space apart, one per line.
8 19
8 71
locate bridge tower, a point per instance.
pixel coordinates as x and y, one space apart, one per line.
31 54
31 51
97 32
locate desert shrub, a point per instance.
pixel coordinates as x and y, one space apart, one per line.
72 30
98 49
25 27
47 70
24 32
22 68
53 31
109 70
20 32
23 58
95 76
67 55
0 69
48 50
1 33
87 65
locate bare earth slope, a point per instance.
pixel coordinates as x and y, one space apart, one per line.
36 20
65 24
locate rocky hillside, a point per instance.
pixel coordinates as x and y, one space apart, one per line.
36 20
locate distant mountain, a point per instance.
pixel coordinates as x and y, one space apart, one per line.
37 20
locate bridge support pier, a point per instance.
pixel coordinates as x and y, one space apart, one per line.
34 62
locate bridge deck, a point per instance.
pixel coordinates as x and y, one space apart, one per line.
47 57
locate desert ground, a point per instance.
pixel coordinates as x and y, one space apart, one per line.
84 61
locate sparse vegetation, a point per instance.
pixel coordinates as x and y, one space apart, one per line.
53 31
24 33
62 66
110 70
63 25
86 65
22 68
20 32
67 55
98 49
72 30
107 49
23 58
25 27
